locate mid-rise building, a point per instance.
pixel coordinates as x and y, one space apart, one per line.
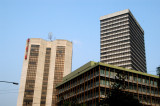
45 64
92 82
122 41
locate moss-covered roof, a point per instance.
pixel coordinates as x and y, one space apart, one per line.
93 64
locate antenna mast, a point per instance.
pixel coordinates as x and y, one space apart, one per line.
50 36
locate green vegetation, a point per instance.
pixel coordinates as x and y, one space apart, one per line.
117 97
66 103
73 102
120 98
158 71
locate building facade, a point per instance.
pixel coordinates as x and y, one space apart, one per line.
45 64
93 81
122 41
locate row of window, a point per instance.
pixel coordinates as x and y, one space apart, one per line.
115 29
118 53
113 35
115 32
113 26
130 77
119 50
115 57
121 61
92 94
132 87
112 74
114 38
115 22
103 48
114 18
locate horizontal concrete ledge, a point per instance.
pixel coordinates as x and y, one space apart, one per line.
115 14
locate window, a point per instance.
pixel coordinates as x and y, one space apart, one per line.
135 87
147 81
130 86
107 73
151 82
152 91
107 83
101 82
102 72
155 83
130 78
97 83
139 80
148 90
139 89
143 80
104 82
135 78
111 74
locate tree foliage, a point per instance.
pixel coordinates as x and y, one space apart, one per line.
72 103
120 98
117 97
158 71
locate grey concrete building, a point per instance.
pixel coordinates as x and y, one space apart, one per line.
122 41
45 64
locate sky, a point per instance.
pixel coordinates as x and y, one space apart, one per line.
73 20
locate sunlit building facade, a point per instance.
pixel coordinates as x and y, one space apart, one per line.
122 41
45 64
92 82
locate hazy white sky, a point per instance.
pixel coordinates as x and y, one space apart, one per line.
74 20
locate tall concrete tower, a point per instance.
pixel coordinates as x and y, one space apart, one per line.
122 41
45 64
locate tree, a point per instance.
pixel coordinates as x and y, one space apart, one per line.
66 103
72 102
117 97
158 71
120 98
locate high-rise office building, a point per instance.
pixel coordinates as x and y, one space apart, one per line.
122 41
45 64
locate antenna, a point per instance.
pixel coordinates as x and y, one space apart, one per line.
50 36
